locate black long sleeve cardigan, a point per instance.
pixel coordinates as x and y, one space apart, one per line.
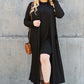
57 73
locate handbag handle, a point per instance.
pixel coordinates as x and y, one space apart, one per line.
30 28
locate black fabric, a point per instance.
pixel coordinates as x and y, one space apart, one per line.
45 47
45 19
45 28
57 72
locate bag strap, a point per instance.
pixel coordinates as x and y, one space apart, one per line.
31 20
31 7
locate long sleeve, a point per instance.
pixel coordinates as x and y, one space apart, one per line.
27 18
59 11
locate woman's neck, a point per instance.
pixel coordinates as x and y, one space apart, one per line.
44 1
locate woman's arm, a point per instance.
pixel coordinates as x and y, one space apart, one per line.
27 18
59 11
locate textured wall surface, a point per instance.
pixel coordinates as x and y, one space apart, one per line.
15 64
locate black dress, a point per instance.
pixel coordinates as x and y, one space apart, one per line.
45 28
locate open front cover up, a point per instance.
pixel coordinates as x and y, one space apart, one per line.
57 72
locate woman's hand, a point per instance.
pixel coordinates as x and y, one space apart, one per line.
36 23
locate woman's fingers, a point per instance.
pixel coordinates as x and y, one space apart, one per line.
36 23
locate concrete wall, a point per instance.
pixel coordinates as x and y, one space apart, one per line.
15 64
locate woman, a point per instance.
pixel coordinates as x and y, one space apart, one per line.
46 65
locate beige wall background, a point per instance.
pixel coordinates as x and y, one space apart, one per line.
15 63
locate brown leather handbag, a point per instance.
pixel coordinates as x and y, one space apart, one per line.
28 45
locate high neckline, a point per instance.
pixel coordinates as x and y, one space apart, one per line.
43 2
